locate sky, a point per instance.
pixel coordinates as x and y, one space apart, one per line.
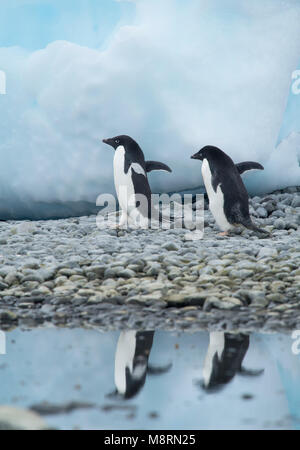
173 75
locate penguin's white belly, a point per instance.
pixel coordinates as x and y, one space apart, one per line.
124 358
216 199
216 346
123 181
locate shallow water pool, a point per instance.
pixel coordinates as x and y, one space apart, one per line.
85 379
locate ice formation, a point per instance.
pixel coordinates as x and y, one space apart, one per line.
177 76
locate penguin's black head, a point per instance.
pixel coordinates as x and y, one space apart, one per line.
198 155
116 141
205 152
210 153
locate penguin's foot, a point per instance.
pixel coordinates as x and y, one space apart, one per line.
224 233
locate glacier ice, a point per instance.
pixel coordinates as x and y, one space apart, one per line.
182 75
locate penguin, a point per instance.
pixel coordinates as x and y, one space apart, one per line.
228 197
224 358
131 361
131 182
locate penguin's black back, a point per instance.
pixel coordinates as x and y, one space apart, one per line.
133 152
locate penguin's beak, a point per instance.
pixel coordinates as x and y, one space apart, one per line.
108 142
197 156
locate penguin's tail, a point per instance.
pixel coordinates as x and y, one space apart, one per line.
251 226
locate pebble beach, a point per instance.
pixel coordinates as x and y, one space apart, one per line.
69 273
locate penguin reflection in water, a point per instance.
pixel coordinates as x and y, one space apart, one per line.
132 365
131 181
224 359
228 197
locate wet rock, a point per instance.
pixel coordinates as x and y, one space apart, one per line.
12 418
226 303
7 316
47 408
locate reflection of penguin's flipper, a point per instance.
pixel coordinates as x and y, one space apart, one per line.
115 395
155 165
250 372
248 165
152 370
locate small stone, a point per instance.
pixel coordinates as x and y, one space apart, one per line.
12 418
277 298
59 281
11 278
170 246
3 286
296 202
32 277
97 270
258 299
262 212
267 252
279 224
224 303
256 296
126 273
243 273
43 290
47 309
26 227
32 263
270 206
8 316
46 274
96 299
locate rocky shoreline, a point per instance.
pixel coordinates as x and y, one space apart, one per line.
69 273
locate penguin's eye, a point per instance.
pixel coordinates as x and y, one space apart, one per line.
117 141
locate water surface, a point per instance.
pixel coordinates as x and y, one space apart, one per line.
153 380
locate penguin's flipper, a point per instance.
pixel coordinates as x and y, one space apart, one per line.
152 370
114 394
248 165
251 372
155 165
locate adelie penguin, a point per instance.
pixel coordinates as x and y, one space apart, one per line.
131 363
131 181
224 359
228 197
